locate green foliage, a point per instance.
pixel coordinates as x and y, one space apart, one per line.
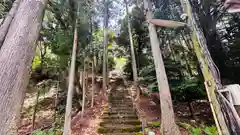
195 131
184 125
48 132
147 130
101 130
5 6
154 124
61 43
211 130
188 90
36 62
153 87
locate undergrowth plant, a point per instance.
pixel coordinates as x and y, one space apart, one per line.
208 130
51 131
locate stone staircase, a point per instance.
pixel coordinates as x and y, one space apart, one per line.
119 116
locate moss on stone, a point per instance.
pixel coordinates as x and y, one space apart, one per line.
106 117
101 130
125 129
154 124
137 128
184 125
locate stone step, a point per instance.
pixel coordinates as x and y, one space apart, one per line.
129 106
116 109
121 105
125 116
120 115
119 128
120 98
121 101
119 108
113 102
130 122
124 103
119 94
119 112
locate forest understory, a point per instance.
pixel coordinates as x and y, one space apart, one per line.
147 106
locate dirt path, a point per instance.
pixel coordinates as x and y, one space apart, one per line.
89 123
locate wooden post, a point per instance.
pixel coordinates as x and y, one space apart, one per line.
168 125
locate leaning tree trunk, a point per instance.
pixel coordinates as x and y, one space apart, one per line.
134 66
7 21
16 56
105 51
168 125
209 71
67 122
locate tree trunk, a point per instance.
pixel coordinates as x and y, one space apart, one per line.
82 78
105 51
67 122
16 56
134 66
55 109
35 110
191 109
7 21
93 82
168 125
84 89
86 76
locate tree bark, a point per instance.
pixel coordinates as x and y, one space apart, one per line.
93 81
82 77
56 108
16 56
67 122
86 76
84 90
168 125
105 51
134 65
191 109
35 110
7 21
